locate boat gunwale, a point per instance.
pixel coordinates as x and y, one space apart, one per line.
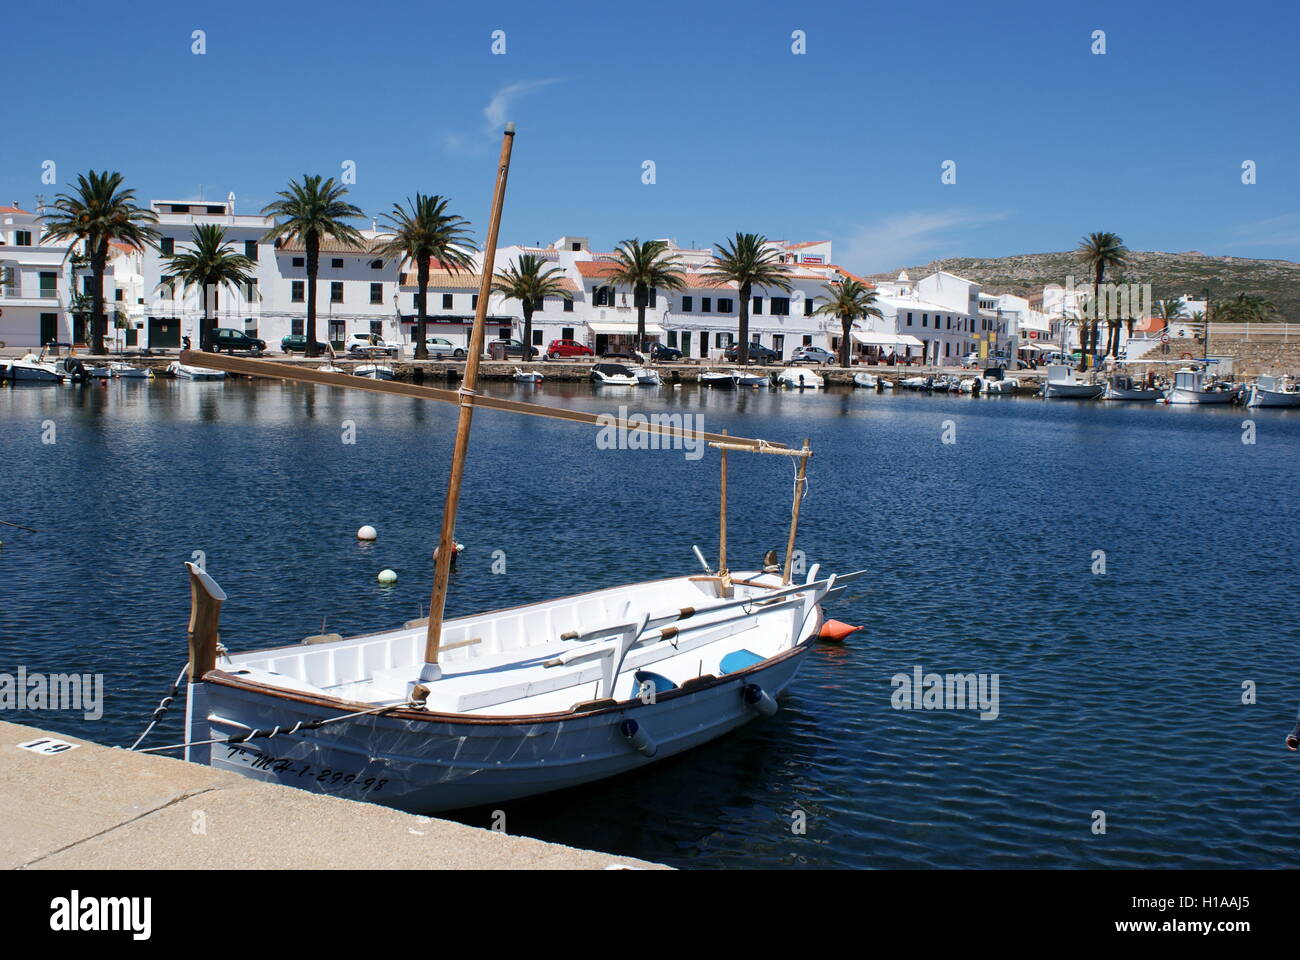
220 677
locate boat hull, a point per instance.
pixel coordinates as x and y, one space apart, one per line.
1122 393
425 763
1181 395
1260 397
1072 391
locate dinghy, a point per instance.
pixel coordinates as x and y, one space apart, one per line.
793 378
868 380
527 376
373 371
443 714
124 371
193 371
1061 384
1269 391
613 375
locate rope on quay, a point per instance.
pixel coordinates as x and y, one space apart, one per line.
277 730
162 708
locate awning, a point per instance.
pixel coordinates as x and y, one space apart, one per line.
651 329
1040 347
909 341
877 339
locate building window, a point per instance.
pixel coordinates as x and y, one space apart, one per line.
180 208
568 304
336 263
473 302
566 333
539 304
807 306
704 343
654 297
336 291
688 304
337 332
299 289
250 291
725 305
706 304
672 338
376 264
216 210
168 246
299 262
118 295
250 326
376 293
22 238
49 283
925 319
537 338
446 301
377 328
780 306
297 326
807 340
758 304
909 318
250 250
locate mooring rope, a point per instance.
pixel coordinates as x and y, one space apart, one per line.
277 730
163 706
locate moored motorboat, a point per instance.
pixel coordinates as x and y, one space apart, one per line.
718 379
1269 391
868 380
124 371
1191 387
188 371
34 368
795 378
647 377
527 376
1062 384
749 378
613 375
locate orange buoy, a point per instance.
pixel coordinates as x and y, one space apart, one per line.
835 631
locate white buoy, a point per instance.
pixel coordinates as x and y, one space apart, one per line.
367 533
387 576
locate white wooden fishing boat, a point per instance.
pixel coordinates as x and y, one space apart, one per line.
441 714
124 371
1268 391
718 379
1122 386
373 371
527 376
192 371
1190 386
613 375
34 368
795 378
1062 384
748 378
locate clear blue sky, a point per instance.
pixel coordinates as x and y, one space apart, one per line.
844 142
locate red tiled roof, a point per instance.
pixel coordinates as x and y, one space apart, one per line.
15 210
596 268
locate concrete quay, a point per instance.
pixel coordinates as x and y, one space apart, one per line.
101 808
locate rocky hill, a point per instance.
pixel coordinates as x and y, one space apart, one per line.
1170 275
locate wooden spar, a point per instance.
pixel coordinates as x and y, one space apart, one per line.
801 478
279 371
723 572
447 538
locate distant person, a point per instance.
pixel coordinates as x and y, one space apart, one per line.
185 342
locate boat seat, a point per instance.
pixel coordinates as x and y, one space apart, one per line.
738 660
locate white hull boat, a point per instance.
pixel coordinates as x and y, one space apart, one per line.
124 371
746 379
718 379
1061 384
373 371
795 379
647 377
1273 392
33 368
917 383
186 371
613 375
1190 387
527 376
997 388
868 380
1121 386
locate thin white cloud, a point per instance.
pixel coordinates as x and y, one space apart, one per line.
1282 230
497 112
910 238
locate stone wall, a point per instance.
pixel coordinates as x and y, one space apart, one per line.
1251 357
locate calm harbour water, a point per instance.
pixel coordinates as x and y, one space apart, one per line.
1119 692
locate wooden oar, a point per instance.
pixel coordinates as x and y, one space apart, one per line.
281 371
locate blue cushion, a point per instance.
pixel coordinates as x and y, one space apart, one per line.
738 660
661 684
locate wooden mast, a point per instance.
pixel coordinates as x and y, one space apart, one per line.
725 575
800 480
447 537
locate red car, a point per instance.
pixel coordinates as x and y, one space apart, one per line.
568 348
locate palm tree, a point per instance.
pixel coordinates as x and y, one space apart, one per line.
211 265
1243 308
747 261
849 300
1100 251
97 213
645 266
307 212
529 280
422 231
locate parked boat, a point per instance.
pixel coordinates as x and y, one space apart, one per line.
527 376
1062 384
1122 386
1191 386
795 378
373 371
189 371
718 379
34 368
124 371
868 380
917 383
443 714
749 378
647 377
613 375
1268 391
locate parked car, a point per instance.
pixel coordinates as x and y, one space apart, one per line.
442 347
297 343
970 360
568 348
230 339
512 348
757 353
661 353
808 354
367 344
